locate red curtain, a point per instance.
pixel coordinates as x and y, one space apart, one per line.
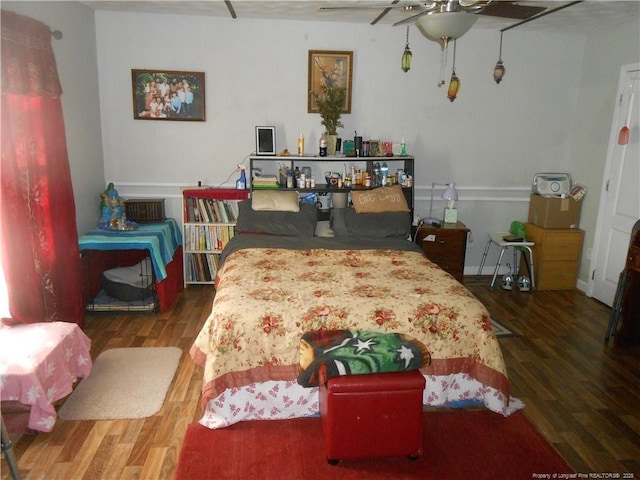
40 254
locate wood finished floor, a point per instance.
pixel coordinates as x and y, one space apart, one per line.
582 395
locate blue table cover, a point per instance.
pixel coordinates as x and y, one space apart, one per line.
161 239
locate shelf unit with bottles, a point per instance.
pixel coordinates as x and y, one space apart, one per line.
273 165
208 223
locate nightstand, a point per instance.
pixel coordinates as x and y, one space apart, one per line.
445 246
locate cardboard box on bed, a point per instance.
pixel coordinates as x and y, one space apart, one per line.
554 212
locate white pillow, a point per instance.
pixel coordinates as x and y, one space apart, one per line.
275 201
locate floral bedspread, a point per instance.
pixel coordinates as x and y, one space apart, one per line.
267 297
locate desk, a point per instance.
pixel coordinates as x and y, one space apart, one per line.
39 363
105 249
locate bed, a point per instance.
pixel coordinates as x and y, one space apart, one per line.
279 280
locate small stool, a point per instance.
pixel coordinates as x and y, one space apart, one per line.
497 238
372 415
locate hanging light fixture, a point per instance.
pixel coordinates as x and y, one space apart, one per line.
454 83
442 26
499 70
406 55
447 22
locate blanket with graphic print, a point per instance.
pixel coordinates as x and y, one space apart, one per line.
328 353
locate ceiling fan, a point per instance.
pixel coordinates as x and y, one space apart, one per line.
506 9
446 20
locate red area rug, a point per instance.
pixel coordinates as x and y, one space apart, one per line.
457 445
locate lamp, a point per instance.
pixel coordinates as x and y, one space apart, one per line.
406 55
499 70
451 195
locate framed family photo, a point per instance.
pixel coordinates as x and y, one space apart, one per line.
168 95
329 68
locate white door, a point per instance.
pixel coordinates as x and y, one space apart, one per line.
620 198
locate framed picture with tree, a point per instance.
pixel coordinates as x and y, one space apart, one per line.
329 68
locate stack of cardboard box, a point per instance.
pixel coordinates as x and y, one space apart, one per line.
553 226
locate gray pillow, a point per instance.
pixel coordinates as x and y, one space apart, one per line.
290 224
345 222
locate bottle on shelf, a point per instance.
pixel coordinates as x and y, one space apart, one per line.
323 145
403 148
384 172
367 179
375 180
241 183
301 145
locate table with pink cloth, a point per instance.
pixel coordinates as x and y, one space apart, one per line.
39 364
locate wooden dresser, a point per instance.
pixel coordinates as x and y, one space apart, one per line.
556 256
445 246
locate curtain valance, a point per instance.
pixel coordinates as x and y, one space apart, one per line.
28 63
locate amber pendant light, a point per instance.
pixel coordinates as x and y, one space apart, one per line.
454 83
406 55
499 70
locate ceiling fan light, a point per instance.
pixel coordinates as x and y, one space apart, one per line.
454 86
406 55
406 59
449 25
498 72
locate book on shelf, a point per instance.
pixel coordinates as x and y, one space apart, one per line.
265 181
204 213
207 237
192 211
215 206
202 267
210 210
234 210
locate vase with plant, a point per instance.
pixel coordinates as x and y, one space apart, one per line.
330 105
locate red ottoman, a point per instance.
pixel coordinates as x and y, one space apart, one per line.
372 415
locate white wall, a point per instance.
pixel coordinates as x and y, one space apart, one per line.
77 67
257 75
552 111
492 137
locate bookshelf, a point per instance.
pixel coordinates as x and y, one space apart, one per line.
208 223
